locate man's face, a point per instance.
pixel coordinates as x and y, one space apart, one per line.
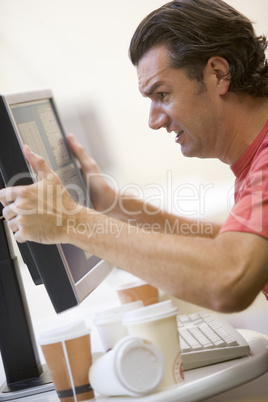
180 104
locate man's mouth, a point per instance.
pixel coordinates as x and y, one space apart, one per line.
179 134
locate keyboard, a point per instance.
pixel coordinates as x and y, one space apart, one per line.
205 339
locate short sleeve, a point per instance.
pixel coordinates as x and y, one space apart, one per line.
250 212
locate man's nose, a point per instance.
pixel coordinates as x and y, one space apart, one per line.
157 118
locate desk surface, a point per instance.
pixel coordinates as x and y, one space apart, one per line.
202 383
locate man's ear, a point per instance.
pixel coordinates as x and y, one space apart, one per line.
219 66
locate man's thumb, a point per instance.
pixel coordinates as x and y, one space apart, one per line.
37 163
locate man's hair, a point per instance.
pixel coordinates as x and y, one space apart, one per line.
195 30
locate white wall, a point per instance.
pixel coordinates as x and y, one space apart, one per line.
79 49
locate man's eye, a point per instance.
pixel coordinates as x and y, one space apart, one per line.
163 94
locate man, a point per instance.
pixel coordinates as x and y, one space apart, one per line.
204 71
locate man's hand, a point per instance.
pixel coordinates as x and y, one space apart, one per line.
102 195
38 212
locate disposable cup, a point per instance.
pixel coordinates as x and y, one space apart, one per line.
133 367
67 351
158 324
139 290
109 324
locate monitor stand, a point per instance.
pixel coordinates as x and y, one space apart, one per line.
24 373
27 388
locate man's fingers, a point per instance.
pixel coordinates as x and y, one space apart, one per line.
19 237
13 226
10 211
37 163
9 195
72 143
77 149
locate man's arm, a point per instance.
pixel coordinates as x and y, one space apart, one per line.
132 210
224 273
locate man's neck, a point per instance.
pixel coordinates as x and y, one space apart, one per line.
246 117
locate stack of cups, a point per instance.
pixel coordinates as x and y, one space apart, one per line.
109 324
158 324
67 351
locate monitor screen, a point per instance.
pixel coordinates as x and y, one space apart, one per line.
31 118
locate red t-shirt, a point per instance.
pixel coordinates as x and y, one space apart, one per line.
250 212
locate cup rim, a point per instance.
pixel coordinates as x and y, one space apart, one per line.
76 329
116 314
150 313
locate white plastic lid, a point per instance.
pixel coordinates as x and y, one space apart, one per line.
139 364
153 312
69 331
116 313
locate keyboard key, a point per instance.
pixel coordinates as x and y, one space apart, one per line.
194 316
212 335
201 338
184 345
184 318
185 334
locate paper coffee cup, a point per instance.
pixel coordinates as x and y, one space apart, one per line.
139 290
109 324
133 367
158 324
67 351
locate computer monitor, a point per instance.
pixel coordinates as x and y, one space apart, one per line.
68 273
